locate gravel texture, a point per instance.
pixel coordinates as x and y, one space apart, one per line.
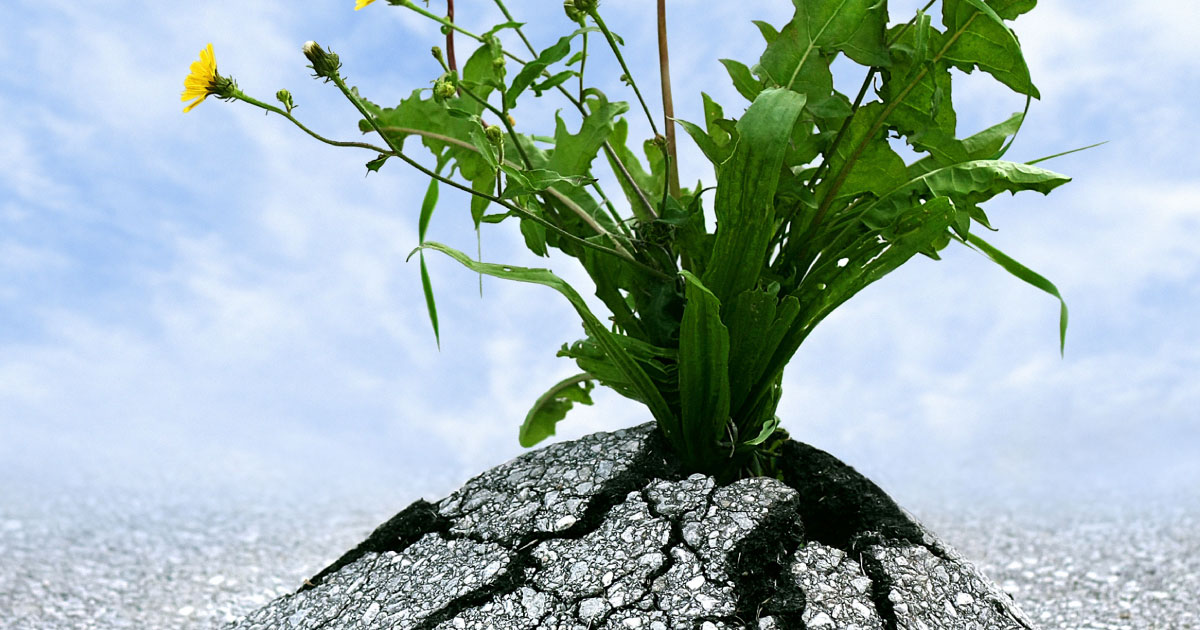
89 558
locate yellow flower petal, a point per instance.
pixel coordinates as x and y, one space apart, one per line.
362 3
201 79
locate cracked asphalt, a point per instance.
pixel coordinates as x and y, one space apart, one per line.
154 559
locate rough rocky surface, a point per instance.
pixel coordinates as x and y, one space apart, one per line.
602 533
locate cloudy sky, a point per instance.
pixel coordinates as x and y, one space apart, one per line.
213 299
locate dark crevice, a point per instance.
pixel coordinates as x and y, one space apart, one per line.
843 509
881 582
400 531
760 568
649 463
838 503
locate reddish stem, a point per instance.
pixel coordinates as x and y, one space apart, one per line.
450 37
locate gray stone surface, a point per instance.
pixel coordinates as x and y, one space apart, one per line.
601 533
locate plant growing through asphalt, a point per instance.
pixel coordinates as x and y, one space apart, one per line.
811 203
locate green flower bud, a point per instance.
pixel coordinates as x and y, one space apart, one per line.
573 14
285 98
324 64
443 89
495 134
498 63
577 10
437 54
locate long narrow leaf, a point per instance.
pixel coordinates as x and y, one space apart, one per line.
703 368
1028 275
427 206
430 304
745 203
594 327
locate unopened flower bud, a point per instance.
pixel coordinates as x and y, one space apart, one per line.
577 10
494 134
498 63
573 14
285 98
436 51
324 64
443 89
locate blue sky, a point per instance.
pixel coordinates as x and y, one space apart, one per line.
213 298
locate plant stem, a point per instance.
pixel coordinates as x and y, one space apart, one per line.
337 143
664 70
450 37
612 43
647 211
508 16
523 213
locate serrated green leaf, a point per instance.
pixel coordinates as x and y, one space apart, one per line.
981 39
984 145
798 57
968 184
744 204
703 369
552 407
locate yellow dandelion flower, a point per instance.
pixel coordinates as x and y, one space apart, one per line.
203 79
362 3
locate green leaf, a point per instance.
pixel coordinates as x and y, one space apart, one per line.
799 57
485 182
427 206
744 203
968 184
984 145
486 149
706 144
750 318
877 168
1028 275
553 406
374 165
534 68
430 304
573 152
528 182
980 38
703 369
596 329
768 429
553 82
743 81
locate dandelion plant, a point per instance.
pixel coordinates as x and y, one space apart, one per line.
811 201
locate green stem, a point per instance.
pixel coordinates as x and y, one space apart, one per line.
648 213
520 33
523 213
844 171
337 143
612 43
